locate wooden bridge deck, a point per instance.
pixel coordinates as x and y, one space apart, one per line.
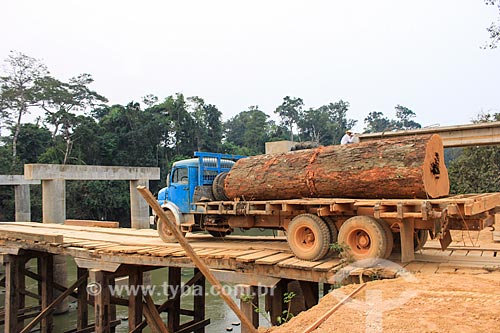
253 257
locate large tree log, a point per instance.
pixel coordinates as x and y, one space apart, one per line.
405 167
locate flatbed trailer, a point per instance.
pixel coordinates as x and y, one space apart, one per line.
369 227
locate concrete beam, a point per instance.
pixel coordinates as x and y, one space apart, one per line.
279 146
89 172
17 180
453 136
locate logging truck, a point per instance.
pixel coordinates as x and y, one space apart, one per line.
375 198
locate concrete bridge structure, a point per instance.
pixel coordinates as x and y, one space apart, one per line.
480 134
21 194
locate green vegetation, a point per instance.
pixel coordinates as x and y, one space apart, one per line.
286 315
76 125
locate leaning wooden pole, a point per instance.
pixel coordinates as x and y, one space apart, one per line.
404 167
150 199
325 316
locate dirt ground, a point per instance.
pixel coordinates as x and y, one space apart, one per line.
467 300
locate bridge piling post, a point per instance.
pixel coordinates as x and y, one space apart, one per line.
274 301
199 301
135 299
102 301
248 307
46 291
14 298
174 280
82 321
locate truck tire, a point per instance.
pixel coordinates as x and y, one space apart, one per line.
420 237
365 237
218 187
308 237
330 222
165 234
389 235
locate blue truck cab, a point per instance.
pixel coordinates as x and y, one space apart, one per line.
194 180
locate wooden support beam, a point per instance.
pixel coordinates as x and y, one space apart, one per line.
47 291
194 326
198 277
199 302
92 223
310 290
101 302
153 317
174 280
248 308
82 320
325 316
407 233
52 305
97 265
274 301
55 285
151 200
12 264
135 301
32 236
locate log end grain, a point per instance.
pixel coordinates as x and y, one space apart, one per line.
435 174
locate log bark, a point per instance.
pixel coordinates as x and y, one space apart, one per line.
404 167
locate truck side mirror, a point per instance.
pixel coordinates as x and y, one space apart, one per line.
168 179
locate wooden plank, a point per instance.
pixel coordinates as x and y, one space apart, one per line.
414 267
110 231
474 253
257 255
327 265
429 268
31 236
92 223
459 253
237 253
446 268
485 203
289 262
149 250
274 259
212 253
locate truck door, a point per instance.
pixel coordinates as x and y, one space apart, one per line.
179 189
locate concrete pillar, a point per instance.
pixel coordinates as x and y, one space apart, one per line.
54 211
23 203
53 201
139 208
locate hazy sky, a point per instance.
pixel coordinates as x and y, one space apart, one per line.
375 54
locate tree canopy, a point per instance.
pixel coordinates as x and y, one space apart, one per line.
76 125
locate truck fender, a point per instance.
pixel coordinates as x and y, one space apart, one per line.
179 217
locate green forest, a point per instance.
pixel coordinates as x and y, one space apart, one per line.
47 120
